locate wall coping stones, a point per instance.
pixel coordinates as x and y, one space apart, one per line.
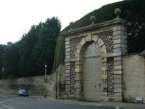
93 27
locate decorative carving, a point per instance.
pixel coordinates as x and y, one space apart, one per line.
73 44
72 78
72 50
107 38
117 12
110 76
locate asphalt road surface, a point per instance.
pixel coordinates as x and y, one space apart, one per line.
40 103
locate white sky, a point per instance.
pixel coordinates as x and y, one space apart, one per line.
17 16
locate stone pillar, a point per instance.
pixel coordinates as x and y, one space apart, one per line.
67 67
119 49
78 80
119 39
104 79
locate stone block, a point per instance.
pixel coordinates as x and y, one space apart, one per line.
117 54
117 90
104 77
77 69
67 54
67 43
67 71
118 41
116 37
67 57
67 39
103 68
77 63
103 49
67 82
88 38
117 50
79 47
67 50
118 45
77 85
118 63
67 64
119 28
95 38
118 33
82 42
67 46
67 67
77 56
118 67
118 58
118 72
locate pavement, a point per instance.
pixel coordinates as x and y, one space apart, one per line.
116 105
15 102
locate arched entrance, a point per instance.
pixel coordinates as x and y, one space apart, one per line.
91 63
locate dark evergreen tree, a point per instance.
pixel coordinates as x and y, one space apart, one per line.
28 56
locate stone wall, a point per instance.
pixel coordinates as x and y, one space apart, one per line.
35 85
134 77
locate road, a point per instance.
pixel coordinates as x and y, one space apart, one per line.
41 103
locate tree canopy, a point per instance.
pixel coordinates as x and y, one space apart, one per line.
36 49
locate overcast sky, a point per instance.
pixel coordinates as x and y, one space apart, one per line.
17 16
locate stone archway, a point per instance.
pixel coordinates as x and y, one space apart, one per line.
86 67
110 37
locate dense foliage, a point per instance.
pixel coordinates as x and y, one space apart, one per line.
28 56
134 12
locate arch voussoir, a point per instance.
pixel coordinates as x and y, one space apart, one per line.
89 38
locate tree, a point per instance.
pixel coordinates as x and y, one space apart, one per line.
28 56
43 52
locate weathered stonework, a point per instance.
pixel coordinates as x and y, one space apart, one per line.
134 77
107 38
110 39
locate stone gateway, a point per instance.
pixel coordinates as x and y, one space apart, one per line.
98 66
